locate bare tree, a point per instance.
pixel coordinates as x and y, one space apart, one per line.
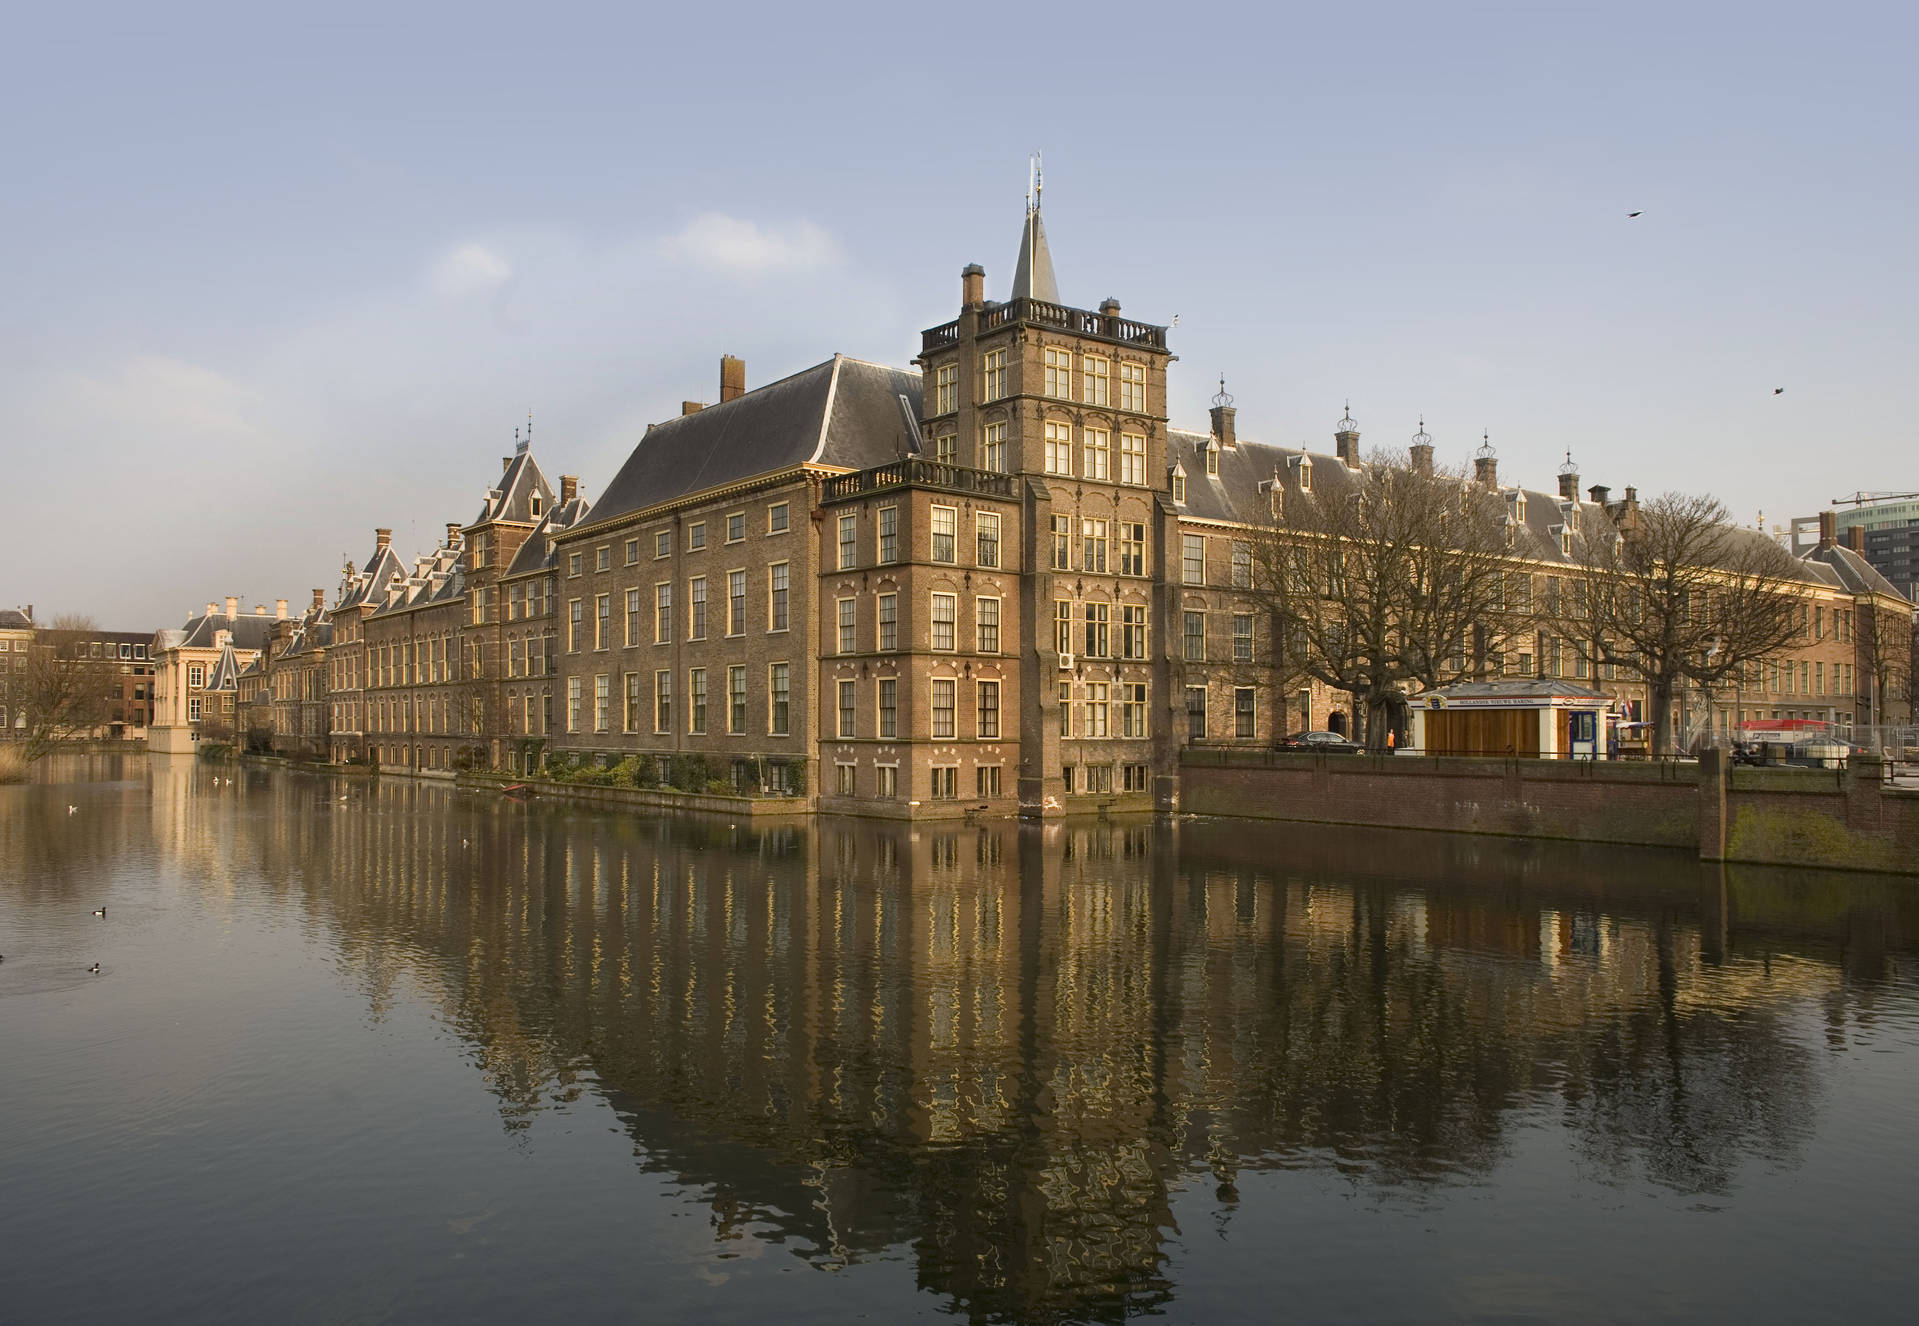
1675 594
1385 577
1885 643
65 693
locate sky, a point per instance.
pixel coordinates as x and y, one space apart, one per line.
274 279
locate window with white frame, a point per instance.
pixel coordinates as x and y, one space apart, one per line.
1179 486
889 707
946 449
1094 377
696 700
1057 373
848 625
736 527
1132 548
1098 636
889 622
848 706
1242 564
1132 388
662 612
992 375
635 608
993 448
662 701
1058 439
945 691
696 536
1096 454
736 699
1132 709
574 688
696 608
632 559
986 624
1242 637
889 549
736 602
987 525
1062 532
1132 630
1093 546
779 686
986 710
663 543
946 389
945 534
1063 626
1132 458
1192 559
945 622
1194 638
778 517
849 541
1244 715
1094 709
776 582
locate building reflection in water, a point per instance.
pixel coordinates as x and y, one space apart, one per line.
1005 1049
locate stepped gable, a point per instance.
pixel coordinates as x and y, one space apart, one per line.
844 414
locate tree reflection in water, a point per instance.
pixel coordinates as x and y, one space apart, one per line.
1006 1048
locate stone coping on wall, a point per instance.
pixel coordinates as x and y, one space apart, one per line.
649 798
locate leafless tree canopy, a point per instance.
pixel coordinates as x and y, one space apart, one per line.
64 694
1679 595
1385 577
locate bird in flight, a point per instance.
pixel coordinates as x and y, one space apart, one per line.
1779 391
1632 214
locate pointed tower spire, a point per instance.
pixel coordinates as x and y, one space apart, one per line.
1033 275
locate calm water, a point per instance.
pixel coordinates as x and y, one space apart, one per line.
400 1053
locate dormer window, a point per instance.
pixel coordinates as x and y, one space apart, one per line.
1512 532
1519 507
1212 459
535 506
1305 464
1565 536
1179 484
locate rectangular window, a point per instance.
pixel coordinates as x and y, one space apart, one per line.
987 523
847 611
1242 637
993 448
630 718
1132 709
602 702
1132 630
696 536
1063 626
1062 531
575 620
945 780
602 620
986 780
1096 454
887 780
1094 379
849 701
1132 458
632 552
1192 559
986 625
946 449
778 517
1057 370
987 711
946 389
1194 650
603 558
776 596
945 534
1132 388
736 699
1242 564
944 691
1196 713
662 613
1132 548
662 543
736 602
1093 546
889 707
735 526
696 700
1244 725
992 366
696 608
1066 715
574 564
1058 438
849 541
889 534
945 622
1098 624
573 704
1093 709
633 619
889 621
779 695
662 701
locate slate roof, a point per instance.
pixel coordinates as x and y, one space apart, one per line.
249 630
844 413
537 553
1530 688
12 619
1852 572
511 497
226 671
366 583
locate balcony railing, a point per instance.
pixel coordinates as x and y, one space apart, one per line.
911 470
1079 321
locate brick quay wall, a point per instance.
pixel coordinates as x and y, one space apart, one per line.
1844 819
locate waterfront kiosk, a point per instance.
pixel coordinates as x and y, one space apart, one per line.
1539 717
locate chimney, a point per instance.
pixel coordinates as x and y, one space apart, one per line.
690 407
1569 480
972 285
452 533
212 608
732 378
1423 459
506 463
233 605
1828 529
569 488
1599 494
1632 494
279 607
259 610
1223 416
1856 538
1109 307
382 537
319 600
1486 463
1346 439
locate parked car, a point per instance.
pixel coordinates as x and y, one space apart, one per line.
1330 743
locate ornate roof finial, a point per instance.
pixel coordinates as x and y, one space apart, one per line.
1485 451
1035 181
1225 397
1422 438
526 445
1568 469
1346 423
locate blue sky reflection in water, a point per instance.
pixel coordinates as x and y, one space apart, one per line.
419 1054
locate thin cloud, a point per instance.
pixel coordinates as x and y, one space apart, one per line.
728 244
469 270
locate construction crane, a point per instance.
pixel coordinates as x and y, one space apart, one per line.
1862 498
